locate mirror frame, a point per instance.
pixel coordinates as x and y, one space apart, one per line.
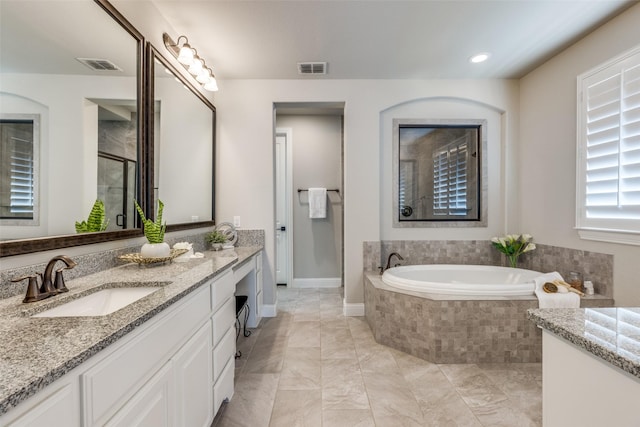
153 54
25 246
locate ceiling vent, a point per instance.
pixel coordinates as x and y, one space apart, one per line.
312 68
99 64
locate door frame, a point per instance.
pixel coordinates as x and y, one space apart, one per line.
288 134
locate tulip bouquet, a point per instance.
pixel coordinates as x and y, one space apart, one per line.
513 245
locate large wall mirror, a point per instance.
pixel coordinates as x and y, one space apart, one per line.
437 173
182 133
71 104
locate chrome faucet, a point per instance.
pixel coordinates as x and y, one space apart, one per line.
391 255
50 286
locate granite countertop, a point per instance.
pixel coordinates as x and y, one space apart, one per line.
612 334
37 351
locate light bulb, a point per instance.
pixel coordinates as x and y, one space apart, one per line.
204 75
196 66
211 85
186 55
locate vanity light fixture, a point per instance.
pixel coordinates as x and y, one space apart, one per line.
188 57
479 57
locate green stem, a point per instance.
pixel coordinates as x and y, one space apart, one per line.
513 260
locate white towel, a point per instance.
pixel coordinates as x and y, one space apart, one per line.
317 202
558 300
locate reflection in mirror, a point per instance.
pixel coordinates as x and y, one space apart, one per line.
19 163
82 77
183 141
437 170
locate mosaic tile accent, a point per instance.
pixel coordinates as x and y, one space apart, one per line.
455 331
371 256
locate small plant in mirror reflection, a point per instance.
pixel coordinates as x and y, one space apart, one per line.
513 245
96 220
153 230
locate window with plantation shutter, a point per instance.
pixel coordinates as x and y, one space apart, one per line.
450 179
608 190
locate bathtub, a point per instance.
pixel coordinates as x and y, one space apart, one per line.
461 280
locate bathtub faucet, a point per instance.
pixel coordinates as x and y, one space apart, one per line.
391 255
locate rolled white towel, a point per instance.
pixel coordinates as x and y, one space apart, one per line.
561 299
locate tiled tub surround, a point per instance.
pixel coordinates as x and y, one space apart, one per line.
450 329
594 266
611 334
37 351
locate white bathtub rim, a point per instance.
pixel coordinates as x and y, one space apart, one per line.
461 290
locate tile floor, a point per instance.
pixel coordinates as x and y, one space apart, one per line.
311 366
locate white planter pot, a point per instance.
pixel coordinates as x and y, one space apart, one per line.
155 250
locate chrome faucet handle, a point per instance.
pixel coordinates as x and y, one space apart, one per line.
33 289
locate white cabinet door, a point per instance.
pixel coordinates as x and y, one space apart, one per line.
193 377
151 406
56 406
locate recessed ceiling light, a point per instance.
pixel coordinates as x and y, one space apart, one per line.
480 57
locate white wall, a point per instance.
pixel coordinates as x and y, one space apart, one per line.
547 160
246 153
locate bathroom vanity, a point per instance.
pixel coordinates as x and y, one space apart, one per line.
590 366
165 359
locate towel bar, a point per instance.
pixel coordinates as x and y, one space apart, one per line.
300 190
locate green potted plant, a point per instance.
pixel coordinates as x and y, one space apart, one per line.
154 232
216 239
96 220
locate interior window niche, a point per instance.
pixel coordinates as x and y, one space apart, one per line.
19 161
439 169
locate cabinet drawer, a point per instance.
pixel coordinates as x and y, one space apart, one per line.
223 388
111 382
224 351
223 320
221 289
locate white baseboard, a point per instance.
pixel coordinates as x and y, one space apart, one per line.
330 282
352 310
269 310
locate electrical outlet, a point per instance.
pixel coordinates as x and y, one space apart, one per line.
236 221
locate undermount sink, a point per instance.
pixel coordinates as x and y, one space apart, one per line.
100 303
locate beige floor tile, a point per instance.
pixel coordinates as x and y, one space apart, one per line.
347 418
299 408
253 397
304 334
391 398
336 343
342 385
302 369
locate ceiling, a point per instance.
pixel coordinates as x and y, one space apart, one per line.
383 39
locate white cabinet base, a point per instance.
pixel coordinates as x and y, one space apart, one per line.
579 389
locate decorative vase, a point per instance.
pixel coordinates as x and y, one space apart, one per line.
155 250
513 260
216 246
